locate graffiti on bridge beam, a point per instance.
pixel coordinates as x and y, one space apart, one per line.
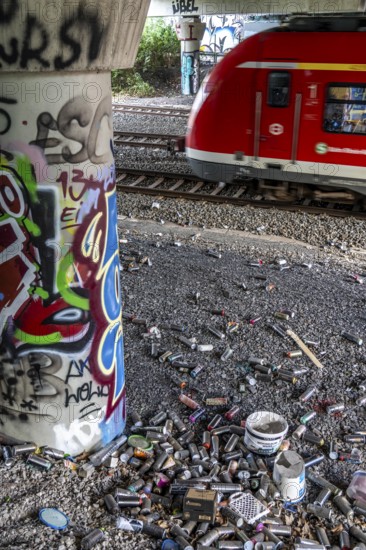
184 7
36 37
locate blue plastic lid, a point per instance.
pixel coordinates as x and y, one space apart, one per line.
53 518
169 544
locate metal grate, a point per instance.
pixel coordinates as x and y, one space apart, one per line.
248 507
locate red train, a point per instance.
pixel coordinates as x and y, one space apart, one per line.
286 109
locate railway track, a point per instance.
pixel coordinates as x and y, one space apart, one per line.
190 187
169 142
181 112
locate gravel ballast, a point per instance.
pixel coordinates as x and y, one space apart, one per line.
183 285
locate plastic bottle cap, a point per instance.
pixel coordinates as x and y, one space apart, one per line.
140 442
53 518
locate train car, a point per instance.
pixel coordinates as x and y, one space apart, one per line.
286 111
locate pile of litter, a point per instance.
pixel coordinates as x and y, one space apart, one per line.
205 482
251 446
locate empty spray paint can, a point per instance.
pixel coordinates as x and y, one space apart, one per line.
24 449
38 462
92 538
353 338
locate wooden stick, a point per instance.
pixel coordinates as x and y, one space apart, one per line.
304 348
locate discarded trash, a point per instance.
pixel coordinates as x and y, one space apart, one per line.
227 354
138 526
308 394
357 488
304 348
204 347
216 332
264 432
358 279
254 320
307 417
53 518
99 457
293 354
214 253
270 287
200 505
38 462
336 408
353 338
282 315
56 454
289 476
90 540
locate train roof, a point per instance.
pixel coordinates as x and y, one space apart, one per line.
325 23
289 43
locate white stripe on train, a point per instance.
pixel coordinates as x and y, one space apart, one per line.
321 169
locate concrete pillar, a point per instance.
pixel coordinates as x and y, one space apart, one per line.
61 341
190 32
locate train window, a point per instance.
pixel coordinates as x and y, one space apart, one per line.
345 109
278 89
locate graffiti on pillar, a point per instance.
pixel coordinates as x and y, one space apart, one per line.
84 132
61 339
182 7
95 249
5 121
190 72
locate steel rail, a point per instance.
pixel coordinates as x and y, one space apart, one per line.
167 184
141 139
182 112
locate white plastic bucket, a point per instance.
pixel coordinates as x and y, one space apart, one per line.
264 432
289 476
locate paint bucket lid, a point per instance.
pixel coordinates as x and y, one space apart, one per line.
266 425
53 518
140 442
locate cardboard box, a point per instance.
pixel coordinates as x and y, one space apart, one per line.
199 505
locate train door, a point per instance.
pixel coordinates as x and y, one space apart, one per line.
278 109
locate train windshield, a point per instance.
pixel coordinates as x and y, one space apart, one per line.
278 89
345 109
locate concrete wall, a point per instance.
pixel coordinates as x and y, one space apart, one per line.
165 8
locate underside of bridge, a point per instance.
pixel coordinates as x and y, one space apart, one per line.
166 8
